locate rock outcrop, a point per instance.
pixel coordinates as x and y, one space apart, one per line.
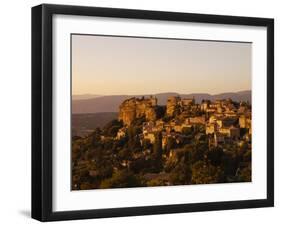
136 108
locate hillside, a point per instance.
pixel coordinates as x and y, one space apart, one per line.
152 145
83 124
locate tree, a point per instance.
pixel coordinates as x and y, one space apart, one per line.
96 137
187 131
215 156
204 173
139 165
146 144
167 118
112 131
160 111
155 182
124 153
112 127
121 179
157 151
245 175
182 173
198 151
133 138
171 143
229 164
157 146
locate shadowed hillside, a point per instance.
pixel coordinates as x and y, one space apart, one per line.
83 124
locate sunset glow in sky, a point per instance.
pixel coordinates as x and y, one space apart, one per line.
107 65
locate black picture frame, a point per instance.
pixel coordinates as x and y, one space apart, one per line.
42 111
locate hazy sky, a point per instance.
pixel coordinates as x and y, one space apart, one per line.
122 65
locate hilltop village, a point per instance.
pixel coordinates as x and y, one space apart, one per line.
224 121
183 142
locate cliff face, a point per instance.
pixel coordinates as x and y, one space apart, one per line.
135 108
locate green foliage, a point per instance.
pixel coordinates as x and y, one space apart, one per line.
160 111
229 164
187 131
245 175
124 153
247 157
133 139
182 173
138 165
121 179
157 146
111 128
96 138
215 156
198 151
204 173
105 171
171 143
137 122
156 182
167 118
146 144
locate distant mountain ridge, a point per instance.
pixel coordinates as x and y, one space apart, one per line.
84 96
112 103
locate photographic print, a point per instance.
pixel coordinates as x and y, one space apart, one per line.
140 112
159 112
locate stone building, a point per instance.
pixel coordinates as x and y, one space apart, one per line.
205 105
211 128
172 104
197 120
187 101
216 140
231 132
175 102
